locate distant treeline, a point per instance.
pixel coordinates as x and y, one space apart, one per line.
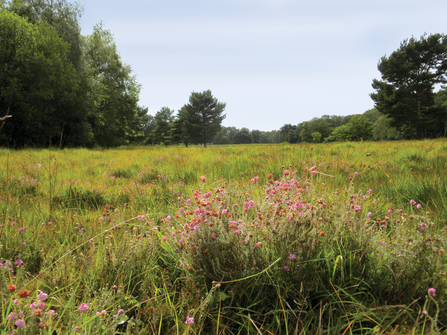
60 88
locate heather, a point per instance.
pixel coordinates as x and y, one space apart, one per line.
340 238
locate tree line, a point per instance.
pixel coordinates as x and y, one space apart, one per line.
60 87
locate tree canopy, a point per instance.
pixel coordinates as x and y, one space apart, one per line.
409 77
204 114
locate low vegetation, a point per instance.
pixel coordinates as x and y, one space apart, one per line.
340 238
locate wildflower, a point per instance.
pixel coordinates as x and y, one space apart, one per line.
292 256
41 305
164 239
285 267
418 206
51 312
83 308
412 202
20 323
269 176
33 305
259 244
189 320
202 178
369 214
357 208
155 228
356 174
20 229
121 311
431 292
11 316
18 262
213 236
114 287
103 312
168 218
24 294
237 231
424 313
11 288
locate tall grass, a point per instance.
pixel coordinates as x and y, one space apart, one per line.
281 239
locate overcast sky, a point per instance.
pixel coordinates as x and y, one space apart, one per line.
271 61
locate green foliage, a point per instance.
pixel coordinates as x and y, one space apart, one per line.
358 128
113 94
204 115
162 131
409 76
78 92
35 61
243 136
316 137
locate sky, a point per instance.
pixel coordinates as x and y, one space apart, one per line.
273 62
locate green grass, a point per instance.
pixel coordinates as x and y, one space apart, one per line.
137 232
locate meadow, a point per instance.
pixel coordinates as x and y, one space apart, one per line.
338 238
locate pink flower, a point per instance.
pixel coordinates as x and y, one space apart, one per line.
292 256
83 308
285 267
431 292
33 305
418 206
42 296
18 262
164 239
369 214
114 287
213 236
357 208
51 312
356 174
41 305
412 202
189 320
103 312
20 230
11 316
202 179
19 323
237 231
259 244
121 311
424 313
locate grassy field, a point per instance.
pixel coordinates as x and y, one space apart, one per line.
342 238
